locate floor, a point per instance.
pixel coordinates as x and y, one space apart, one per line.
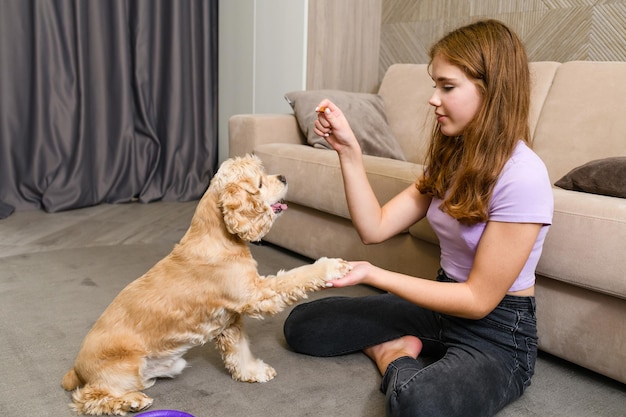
69 243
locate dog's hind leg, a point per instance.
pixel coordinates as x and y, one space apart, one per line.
112 389
96 401
238 359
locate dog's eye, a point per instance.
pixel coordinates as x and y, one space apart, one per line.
261 183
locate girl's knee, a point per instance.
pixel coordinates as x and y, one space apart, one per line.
295 328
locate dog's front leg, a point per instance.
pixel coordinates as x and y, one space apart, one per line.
238 359
288 287
296 282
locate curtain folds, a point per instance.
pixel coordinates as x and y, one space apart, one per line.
106 101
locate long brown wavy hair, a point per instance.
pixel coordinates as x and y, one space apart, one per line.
462 171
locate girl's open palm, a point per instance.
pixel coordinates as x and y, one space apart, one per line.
357 275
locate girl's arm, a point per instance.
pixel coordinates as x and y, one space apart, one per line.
373 222
501 255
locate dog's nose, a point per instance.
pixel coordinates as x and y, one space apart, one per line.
282 179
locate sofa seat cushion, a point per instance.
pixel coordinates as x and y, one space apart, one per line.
422 230
315 181
587 234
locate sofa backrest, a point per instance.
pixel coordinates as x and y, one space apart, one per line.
541 77
577 114
583 117
406 89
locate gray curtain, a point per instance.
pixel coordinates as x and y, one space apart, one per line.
106 101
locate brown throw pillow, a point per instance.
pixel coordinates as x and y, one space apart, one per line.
365 113
602 176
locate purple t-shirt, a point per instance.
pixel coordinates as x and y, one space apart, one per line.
522 194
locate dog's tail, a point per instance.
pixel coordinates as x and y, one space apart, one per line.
70 380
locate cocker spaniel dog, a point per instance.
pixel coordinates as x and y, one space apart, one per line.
198 293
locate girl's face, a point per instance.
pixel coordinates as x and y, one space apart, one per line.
456 98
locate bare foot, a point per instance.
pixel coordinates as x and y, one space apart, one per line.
387 352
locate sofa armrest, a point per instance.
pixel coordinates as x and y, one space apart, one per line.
247 131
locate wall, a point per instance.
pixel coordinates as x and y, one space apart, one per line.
262 55
343 44
552 30
269 47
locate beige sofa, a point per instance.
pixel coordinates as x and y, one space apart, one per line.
578 115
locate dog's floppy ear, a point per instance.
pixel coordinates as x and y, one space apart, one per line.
245 214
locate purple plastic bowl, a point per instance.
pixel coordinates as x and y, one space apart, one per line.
164 413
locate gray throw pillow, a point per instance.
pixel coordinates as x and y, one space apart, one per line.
365 113
602 176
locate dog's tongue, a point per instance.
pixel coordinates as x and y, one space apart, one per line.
278 207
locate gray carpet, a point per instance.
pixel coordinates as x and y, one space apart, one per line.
49 300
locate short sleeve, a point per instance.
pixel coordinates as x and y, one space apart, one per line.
523 193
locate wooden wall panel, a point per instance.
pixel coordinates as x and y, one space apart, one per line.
552 30
343 44
351 43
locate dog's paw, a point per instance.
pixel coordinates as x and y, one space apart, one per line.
334 267
258 371
136 401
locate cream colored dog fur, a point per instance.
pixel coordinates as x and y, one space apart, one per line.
197 293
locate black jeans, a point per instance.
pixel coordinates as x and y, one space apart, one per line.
482 365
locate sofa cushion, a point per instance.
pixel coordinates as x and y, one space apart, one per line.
602 176
423 231
406 89
315 181
588 233
541 77
581 120
366 115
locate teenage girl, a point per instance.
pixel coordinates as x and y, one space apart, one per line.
488 197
